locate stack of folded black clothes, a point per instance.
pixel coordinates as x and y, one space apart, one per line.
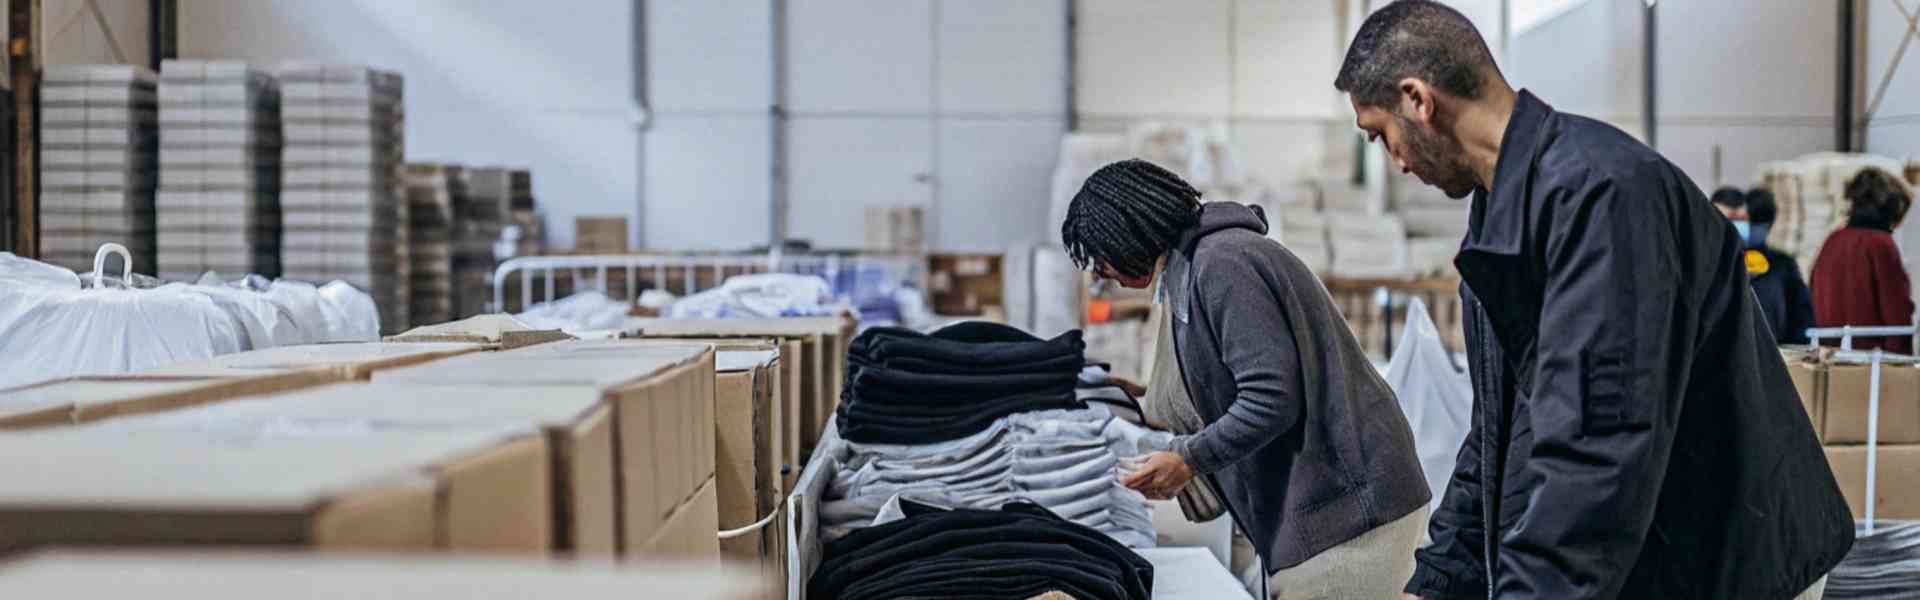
1018 552
903 386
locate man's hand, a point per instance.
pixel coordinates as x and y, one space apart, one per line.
1160 476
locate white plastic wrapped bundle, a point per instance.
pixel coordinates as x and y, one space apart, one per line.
1436 396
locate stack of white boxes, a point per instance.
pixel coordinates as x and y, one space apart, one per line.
219 201
344 212
98 163
481 207
430 206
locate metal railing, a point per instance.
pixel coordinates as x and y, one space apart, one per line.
695 273
1875 358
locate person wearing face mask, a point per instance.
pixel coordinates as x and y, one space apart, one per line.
1859 279
1635 434
1777 283
1279 412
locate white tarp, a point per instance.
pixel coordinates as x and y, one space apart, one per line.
1436 396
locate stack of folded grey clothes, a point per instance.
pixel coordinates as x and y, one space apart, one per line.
344 215
430 206
1068 461
98 164
480 211
1885 565
219 201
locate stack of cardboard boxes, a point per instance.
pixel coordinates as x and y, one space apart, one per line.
480 211
431 191
579 448
219 200
99 149
1836 395
343 213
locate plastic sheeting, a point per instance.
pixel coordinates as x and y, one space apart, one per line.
760 296
52 325
1436 396
582 311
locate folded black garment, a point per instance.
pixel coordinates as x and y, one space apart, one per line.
863 407
1064 362
972 343
869 423
906 386
1014 553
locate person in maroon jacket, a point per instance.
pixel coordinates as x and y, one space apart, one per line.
1858 278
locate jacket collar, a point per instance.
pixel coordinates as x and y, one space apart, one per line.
1498 220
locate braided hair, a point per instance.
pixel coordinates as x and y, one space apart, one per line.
1127 215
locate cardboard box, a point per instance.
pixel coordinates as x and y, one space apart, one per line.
1897 481
687 533
571 510
965 284
600 235
229 575
500 331
354 361
662 398
823 358
365 491
1848 390
747 458
1810 382
88 399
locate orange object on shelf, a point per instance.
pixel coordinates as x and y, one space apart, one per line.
1099 311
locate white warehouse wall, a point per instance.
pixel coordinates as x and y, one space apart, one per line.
1893 129
487 83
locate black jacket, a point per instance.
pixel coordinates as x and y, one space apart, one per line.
1635 434
1783 294
1304 438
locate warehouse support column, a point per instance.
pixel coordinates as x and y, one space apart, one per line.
1843 79
163 32
1649 105
23 22
777 129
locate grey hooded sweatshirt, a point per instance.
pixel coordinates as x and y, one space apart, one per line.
1303 438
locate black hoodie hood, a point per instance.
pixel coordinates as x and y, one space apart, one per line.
1220 216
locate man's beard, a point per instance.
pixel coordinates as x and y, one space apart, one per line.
1439 161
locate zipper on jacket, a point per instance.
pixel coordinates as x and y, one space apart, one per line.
1487 500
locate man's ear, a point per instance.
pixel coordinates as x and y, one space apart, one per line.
1417 101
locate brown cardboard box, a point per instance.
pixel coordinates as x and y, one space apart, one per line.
965 284
1897 484
500 331
254 574
688 531
572 509
87 399
364 491
600 235
1810 382
747 455
1848 388
353 361
662 398
823 358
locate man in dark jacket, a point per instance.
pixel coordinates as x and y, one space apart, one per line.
1783 294
1634 434
1303 438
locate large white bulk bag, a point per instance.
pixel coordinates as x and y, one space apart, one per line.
1436 396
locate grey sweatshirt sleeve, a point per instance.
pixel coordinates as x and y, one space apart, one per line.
1235 289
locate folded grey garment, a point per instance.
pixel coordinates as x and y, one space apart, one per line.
992 461
1061 428
1046 491
1079 459
961 489
957 462
966 446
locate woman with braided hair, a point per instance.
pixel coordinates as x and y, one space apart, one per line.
1280 415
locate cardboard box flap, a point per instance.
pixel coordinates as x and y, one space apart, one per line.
501 369
184 471
354 355
379 407
727 361
310 576
788 326
497 329
97 397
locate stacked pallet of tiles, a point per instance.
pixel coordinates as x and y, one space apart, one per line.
533 239
430 192
99 147
344 215
481 211
219 201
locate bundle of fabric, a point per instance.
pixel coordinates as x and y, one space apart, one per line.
906 387
1883 565
1067 461
1018 552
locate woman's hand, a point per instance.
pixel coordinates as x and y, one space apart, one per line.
1132 389
1160 476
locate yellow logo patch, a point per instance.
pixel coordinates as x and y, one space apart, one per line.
1757 263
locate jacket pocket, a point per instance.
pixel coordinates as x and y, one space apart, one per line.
1608 404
